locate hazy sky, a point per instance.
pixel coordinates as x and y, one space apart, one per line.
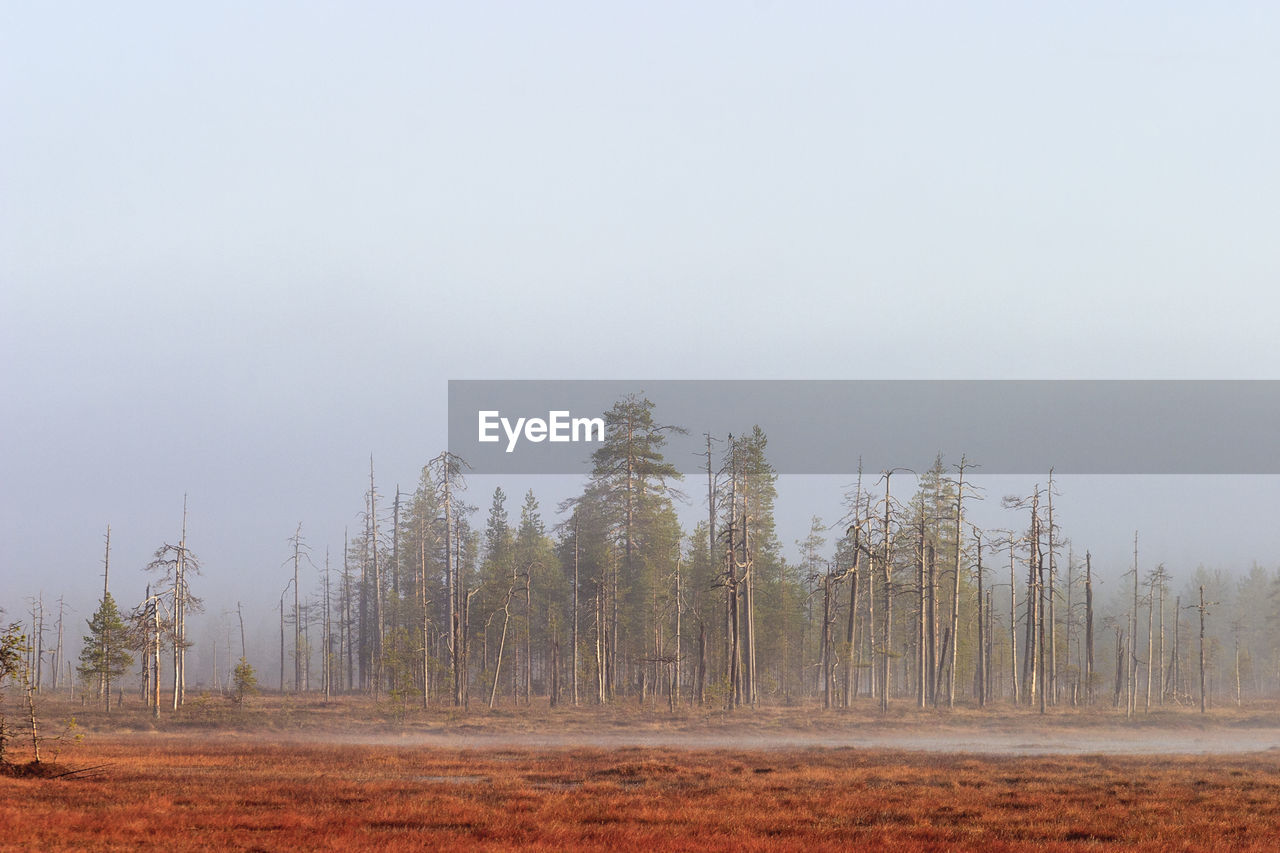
243 246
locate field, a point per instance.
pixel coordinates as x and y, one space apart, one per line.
302 775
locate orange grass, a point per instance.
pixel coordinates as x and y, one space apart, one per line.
222 791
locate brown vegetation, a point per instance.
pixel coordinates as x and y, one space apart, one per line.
222 788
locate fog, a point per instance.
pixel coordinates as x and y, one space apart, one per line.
243 250
994 738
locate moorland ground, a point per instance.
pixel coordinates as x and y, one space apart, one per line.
297 773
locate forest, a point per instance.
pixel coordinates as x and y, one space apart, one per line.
906 601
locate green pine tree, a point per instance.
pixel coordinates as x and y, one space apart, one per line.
105 655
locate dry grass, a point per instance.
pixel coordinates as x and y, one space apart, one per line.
295 773
179 792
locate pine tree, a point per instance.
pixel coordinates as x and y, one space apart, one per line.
105 654
631 484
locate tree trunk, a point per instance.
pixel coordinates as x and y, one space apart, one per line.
1013 623
955 589
1202 610
1088 627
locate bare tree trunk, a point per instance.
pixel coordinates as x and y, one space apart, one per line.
1029 661
155 657
378 627
886 636
931 618
1202 608
1236 642
1158 659
297 620
1042 661
1175 664
455 585
502 644
750 578
1088 627
1132 696
955 589
326 672
851 655
825 652
735 652
923 659
600 641
675 684
1122 667
702 663
574 654
32 722
57 652
982 631
105 688
1051 668
528 635
1151 600
1013 623
426 615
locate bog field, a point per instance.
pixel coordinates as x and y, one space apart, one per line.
348 775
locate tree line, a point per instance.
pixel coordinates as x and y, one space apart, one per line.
902 599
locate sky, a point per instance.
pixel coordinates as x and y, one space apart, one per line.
244 246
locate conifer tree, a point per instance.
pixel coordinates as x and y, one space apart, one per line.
105 655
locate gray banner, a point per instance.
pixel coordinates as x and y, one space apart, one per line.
827 426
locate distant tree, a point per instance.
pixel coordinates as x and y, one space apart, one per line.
105 654
245 680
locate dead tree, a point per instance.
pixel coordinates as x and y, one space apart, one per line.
1203 608
885 653
104 687
677 660
502 642
1122 667
1050 594
1088 627
981 670
1033 660
1175 671
924 662
1153 580
955 586
824 654
447 470
1132 670
1158 658
376 652
300 551
574 655
177 563
1013 621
